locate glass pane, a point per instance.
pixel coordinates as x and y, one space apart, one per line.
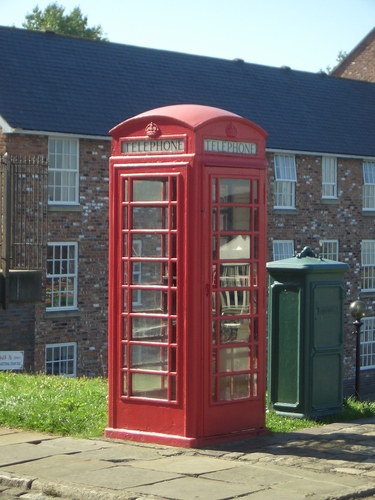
173 249
124 328
214 190
125 186
234 330
148 357
255 357
150 218
150 329
173 189
256 246
214 224
173 388
255 384
125 221
149 386
150 190
149 273
153 301
234 247
125 385
234 359
235 219
234 191
234 302
225 388
214 249
173 338
256 219
255 191
125 275
173 360
241 386
234 275
152 245
124 361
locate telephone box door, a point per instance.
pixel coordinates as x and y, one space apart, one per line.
234 383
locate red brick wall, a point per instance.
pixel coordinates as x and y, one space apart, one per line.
17 327
360 63
89 227
313 219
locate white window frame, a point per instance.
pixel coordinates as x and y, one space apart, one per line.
285 182
329 178
282 249
63 171
368 185
329 249
63 357
368 265
368 343
62 276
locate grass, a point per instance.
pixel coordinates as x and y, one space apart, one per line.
65 406
78 406
352 410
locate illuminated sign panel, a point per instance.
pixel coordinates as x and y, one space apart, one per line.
175 145
230 147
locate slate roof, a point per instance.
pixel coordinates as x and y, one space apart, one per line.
62 84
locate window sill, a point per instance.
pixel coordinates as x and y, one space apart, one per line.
62 314
65 208
368 213
285 211
330 201
368 294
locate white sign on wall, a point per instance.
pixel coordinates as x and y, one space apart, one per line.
11 360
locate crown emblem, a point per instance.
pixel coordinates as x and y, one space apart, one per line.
231 130
152 130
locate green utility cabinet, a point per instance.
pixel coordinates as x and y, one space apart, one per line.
305 335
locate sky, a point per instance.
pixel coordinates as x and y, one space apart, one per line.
306 35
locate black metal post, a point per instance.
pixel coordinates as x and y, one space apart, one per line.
358 323
358 310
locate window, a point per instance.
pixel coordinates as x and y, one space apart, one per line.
61 291
329 177
61 359
283 249
368 343
63 171
368 265
285 185
369 185
329 249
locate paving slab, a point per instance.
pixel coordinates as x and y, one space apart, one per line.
124 453
19 453
120 477
75 445
186 465
13 437
56 468
189 488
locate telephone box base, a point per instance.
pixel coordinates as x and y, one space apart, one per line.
182 441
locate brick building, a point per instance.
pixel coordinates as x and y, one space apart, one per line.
59 97
359 64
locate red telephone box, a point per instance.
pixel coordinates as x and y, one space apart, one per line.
187 277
